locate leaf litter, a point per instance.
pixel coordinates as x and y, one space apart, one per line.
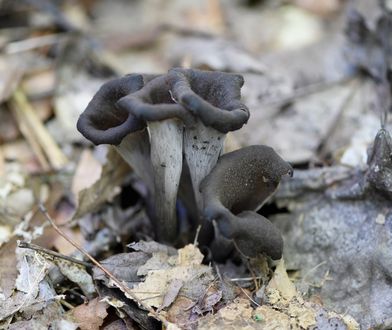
52 163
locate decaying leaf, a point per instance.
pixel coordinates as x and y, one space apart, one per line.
172 292
8 270
90 316
77 274
185 267
124 266
113 174
87 173
237 315
32 271
285 309
51 317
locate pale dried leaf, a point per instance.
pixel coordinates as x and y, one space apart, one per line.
237 315
281 282
87 172
113 174
185 267
32 271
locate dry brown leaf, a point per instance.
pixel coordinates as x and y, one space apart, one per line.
8 270
62 245
90 316
180 311
87 172
113 174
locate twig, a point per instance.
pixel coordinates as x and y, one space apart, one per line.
313 269
119 284
249 297
56 157
31 140
32 43
245 279
25 245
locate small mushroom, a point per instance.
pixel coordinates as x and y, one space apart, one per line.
103 122
214 100
240 183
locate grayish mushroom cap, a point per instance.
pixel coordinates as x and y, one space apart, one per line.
103 122
213 97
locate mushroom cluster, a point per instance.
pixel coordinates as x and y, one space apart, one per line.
171 128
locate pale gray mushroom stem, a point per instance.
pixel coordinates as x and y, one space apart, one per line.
135 150
166 158
202 147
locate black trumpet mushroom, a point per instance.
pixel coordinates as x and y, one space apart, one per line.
240 183
165 120
188 112
172 126
214 99
103 122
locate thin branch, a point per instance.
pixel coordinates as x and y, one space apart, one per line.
25 245
239 279
249 297
56 157
119 284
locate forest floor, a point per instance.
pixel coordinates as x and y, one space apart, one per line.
77 249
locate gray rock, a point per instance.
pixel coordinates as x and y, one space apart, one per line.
342 246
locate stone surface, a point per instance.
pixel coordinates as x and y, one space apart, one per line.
341 247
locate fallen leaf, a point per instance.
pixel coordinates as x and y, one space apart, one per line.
236 315
113 174
8 270
173 289
124 266
32 271
281 282
90 316
186 267
87 172
77 274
